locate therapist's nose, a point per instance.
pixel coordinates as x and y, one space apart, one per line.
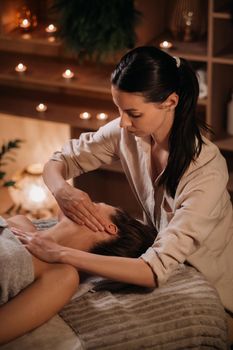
125 121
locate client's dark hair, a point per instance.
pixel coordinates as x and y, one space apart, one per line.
132 240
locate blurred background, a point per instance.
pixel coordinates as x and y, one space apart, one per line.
56 58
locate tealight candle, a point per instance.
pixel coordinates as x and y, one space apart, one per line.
20 68
41 107
51 28
25 24
68 74
85 115
102 116
165 45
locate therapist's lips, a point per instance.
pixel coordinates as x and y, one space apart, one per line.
135 132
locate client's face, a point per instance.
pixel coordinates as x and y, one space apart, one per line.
111 229
105 210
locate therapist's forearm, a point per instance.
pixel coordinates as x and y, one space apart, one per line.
127 270
54 175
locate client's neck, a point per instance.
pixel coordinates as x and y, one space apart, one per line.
72 235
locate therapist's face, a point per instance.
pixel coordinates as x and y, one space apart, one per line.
139 117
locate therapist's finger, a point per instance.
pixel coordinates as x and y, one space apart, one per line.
24 239
90 221
86 214
17 232
94 215
75 218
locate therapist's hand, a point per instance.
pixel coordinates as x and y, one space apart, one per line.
43 248
78 206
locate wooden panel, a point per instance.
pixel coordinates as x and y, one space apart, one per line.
222 5
223 37
221 85
225 144
61 108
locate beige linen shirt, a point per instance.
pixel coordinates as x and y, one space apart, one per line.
196 226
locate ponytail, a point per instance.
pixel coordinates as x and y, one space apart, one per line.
185 140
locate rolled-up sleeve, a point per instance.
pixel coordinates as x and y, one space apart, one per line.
199 217
90 151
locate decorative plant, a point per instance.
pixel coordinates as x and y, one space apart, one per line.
7 154
97 27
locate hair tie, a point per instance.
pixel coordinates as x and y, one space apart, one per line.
178 62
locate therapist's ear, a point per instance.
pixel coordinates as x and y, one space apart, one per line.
111 229
171 102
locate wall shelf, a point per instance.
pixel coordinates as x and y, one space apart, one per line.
46 72
17 42
90 89
222 15
225 55
194 51
61 108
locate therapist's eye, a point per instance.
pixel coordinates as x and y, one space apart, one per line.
135 115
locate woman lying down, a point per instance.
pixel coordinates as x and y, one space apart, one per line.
32 291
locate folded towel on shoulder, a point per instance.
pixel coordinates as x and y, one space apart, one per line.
16 267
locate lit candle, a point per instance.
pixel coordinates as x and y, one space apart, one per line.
41 107
20 68
85 115
51 28
165 45
102 116
25 24
68 74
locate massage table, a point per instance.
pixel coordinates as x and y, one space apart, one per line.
185 313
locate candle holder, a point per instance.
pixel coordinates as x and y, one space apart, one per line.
41 107
68 74
165 45
25 20
20 68
51 29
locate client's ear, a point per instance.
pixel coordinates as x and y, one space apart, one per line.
111 229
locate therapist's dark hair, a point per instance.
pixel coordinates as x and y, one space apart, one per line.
132 240
155 75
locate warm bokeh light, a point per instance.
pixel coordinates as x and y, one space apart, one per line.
102 116
41 107
29 191
68 74
85 115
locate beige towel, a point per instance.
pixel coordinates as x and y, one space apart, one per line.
16 268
